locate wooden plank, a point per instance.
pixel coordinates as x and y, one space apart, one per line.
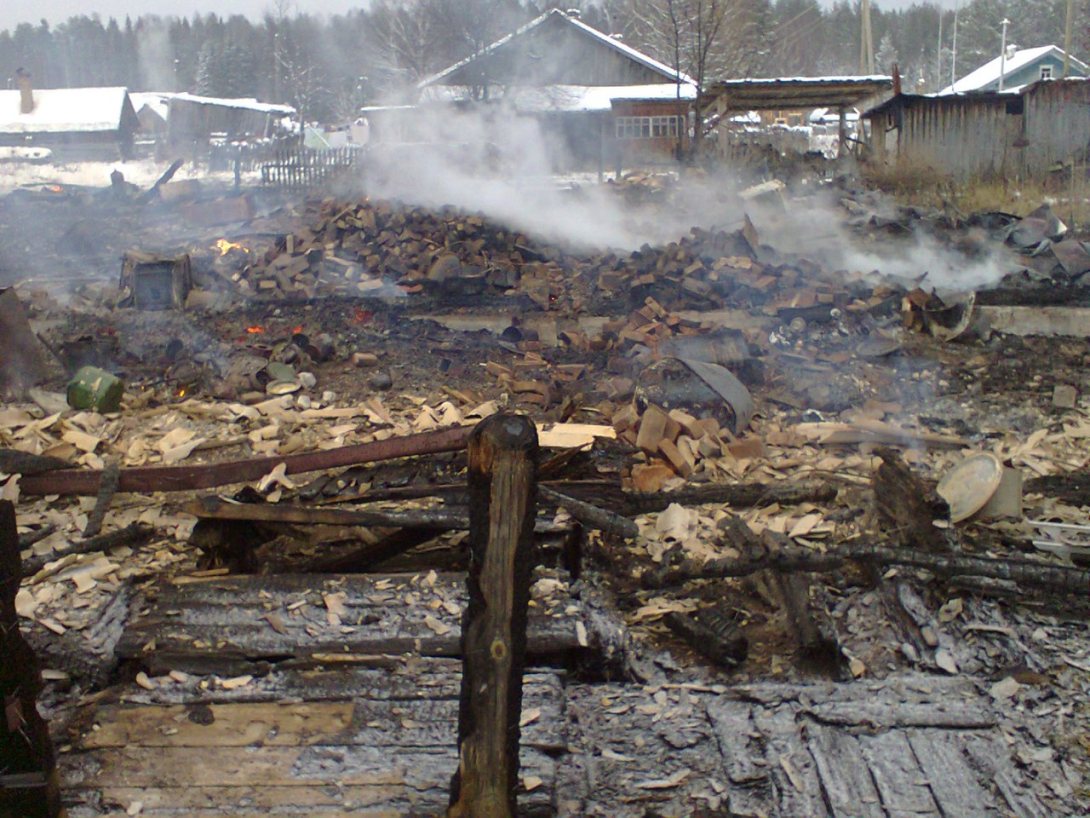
750 791
379 723
845 779
393 678
412 781
887 713
791 767
954 784
897 775
991 753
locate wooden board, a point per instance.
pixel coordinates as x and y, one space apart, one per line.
189 747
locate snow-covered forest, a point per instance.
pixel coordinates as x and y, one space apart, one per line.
328 66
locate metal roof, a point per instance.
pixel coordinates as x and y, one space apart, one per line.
797 92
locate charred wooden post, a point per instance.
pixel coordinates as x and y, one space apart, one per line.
502 488
28 776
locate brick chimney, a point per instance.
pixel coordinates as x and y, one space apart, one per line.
26 91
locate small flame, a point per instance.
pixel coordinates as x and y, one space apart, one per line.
298 330
255 330
225 246
182 391
54 188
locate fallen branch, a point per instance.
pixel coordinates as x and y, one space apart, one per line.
592 516
129 535
146 479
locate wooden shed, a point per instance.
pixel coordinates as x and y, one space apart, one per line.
196 119
1012 134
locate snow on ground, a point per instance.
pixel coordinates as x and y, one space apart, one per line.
142 172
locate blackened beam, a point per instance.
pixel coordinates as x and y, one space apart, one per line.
146 479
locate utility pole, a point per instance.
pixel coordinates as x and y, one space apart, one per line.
866 39
1003 53
1068 23
938 56
954 46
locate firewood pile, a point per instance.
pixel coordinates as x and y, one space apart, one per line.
354 248
369 248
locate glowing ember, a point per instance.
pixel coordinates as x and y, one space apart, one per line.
54 188
297 330
182 391
255 330
225 246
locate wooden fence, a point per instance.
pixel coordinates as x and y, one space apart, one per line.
299 167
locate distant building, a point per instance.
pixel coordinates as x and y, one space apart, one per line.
1021 67
195 119
1019 134
599 101
74 123
152 109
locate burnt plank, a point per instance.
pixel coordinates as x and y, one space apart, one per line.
230 780
955 785
991 754
792 769
897 775
220 624
845 778
744 760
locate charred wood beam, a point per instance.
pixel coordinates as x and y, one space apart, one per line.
28 778
790 559
439 519
448 518
146 479
591 516
502 485
741 495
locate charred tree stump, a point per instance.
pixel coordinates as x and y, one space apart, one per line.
502 490
28 777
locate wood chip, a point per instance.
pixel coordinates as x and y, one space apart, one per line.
438 627
665 783
236 682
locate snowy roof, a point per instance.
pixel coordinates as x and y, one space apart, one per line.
568 98
249 103
64 110
158 101
605 39
988 73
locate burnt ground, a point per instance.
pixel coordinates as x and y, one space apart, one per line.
931 694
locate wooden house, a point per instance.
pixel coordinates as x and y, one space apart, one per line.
72 123
599 102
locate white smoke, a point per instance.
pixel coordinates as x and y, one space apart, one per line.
500 163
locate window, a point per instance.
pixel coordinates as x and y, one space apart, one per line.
1046 72
646 127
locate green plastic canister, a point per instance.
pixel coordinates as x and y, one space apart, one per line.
95 389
